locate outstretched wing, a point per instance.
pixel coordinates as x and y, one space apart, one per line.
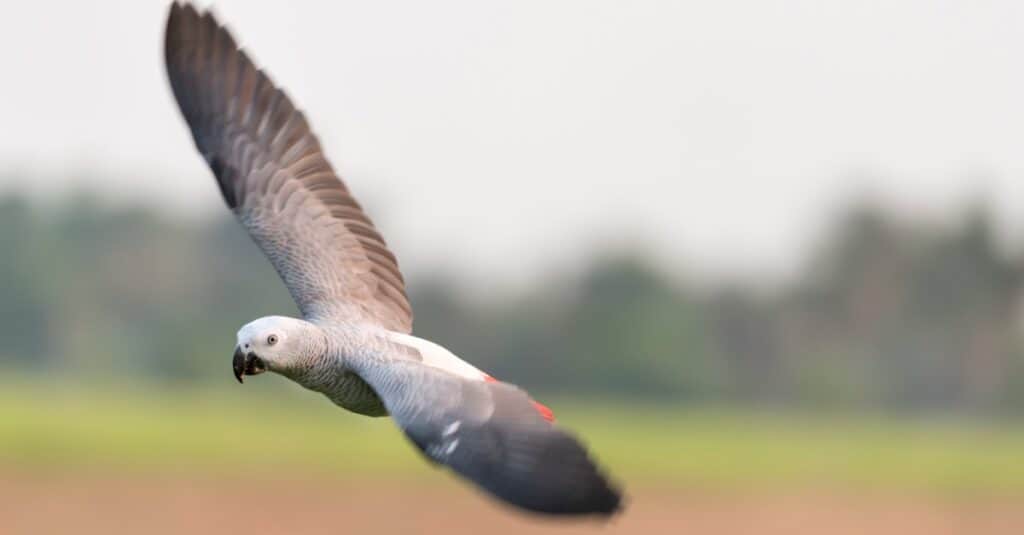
492 434
275 178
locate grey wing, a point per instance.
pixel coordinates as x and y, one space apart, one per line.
491 434
275 178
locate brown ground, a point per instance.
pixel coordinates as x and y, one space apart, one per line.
81 504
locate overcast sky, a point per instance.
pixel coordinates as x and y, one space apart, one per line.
510 137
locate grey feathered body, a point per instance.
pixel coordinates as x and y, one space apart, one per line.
333 352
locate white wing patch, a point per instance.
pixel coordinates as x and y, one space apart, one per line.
438 357
451 428
445 446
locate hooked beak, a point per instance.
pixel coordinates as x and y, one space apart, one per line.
246 364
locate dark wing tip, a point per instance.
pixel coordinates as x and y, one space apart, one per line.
181 20
196 51
523 459
203 66
539 469
579 485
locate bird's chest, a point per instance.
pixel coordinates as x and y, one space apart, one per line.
334 379
352 393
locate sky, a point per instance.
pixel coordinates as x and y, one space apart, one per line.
503 141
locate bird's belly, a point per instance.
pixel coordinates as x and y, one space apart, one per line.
351 393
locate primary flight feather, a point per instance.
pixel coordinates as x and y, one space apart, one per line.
354 343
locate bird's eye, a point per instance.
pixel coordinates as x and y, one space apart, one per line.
272 339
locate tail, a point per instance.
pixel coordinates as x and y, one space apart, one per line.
543 409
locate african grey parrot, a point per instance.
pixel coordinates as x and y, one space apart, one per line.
354 343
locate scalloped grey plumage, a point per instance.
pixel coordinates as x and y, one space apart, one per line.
274 175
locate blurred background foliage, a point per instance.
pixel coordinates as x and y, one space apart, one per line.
888 315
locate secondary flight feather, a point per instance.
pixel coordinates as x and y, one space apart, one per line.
354 343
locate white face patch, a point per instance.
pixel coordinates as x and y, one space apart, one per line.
255 333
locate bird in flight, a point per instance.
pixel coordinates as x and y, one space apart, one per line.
354 342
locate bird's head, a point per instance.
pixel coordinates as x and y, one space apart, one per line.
273 343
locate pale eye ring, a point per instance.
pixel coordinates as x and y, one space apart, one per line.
272 339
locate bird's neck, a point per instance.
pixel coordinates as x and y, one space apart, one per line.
313 362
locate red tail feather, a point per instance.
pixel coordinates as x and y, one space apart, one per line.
542 409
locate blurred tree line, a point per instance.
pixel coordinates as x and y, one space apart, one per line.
888 314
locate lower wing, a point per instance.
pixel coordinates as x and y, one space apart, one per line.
492 434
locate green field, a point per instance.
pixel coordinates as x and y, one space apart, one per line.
264 427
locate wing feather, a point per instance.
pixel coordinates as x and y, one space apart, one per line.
274 176
491 434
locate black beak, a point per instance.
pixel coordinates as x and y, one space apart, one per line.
246 364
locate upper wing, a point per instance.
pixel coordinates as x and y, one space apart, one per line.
491 434
275 178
